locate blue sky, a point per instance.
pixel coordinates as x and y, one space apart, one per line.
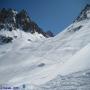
54 15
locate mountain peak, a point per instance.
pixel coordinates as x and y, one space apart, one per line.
85 13
11 20
49 33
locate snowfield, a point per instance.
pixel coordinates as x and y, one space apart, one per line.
34 60
79 62
73 75
76 81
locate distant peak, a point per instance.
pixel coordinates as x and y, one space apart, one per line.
85 13
49 33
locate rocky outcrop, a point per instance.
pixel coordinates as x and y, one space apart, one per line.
85 13
10 20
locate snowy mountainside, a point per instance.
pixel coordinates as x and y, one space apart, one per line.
74 73
37 62
14 24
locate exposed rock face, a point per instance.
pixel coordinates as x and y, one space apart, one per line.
50 34
4 40
7 19
11 20
85 13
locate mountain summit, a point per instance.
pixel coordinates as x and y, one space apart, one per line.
13 21
85 13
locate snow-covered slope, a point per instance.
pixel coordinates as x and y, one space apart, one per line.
17 34
79 62
76 81
74 73
14 24
39 61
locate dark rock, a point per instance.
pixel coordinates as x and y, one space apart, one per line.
75 29
15 36
29 40
84 13
41 65
12 20
4 39
49 33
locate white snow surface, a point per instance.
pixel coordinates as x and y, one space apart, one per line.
79 62
40 60
20 34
